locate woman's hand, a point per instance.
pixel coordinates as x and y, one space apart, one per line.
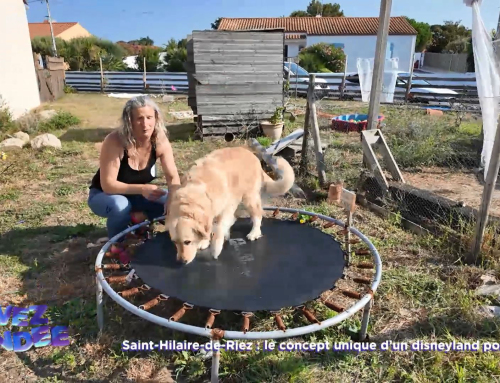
152 192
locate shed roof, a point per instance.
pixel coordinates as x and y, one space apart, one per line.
43 29
320 25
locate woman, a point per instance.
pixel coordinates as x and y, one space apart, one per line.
128 157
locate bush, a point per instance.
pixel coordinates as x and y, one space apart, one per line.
322 56
6 123
61 120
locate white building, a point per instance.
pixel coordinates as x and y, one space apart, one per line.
18 81
356 35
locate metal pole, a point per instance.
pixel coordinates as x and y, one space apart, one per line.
489 187
51 30
379 63
215 363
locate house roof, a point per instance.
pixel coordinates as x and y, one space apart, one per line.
320 25
295 36
43 29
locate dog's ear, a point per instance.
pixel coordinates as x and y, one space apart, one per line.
203 226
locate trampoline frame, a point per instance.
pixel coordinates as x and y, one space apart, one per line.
365 302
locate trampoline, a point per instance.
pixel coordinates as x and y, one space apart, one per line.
294 263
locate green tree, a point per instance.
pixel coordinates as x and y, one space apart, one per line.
215 24
152 56
322 57
450 37
424 36
315 8
147 41
176 55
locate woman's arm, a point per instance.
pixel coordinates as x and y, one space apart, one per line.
166 154
109 161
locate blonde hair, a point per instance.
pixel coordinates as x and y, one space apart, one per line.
126 129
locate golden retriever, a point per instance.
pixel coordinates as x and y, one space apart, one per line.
211 192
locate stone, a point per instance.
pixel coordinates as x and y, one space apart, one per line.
25 137
489 311
167 98
46 140
12 144
488 279
489 290
47 114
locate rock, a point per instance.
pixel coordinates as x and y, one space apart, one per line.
167 98
25 137
46 140
489 311
489 290
488 279
12 144
47 114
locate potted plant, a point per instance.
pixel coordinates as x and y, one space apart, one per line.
273 128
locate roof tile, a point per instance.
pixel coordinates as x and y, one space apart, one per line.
320 25
43 29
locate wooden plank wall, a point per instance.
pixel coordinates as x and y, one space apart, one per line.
238 78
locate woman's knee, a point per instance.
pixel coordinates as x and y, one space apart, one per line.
109 205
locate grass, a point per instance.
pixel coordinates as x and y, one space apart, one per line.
426 293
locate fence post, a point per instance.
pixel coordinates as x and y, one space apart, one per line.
304 160
342 89
102 75
489 187
320 163
408 85
144 73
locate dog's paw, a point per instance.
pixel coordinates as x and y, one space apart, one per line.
252 236
204 244
216 248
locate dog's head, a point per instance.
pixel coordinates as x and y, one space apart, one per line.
188 223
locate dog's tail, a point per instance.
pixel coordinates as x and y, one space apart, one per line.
281 185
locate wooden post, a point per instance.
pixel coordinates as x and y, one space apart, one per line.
304 159
379 63
342 89
408 85
489 187
144 73
320 164
102 75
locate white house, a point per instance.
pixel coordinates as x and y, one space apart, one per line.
356 35
18 81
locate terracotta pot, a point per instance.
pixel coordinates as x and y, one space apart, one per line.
273 131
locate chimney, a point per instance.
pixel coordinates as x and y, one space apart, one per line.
318 15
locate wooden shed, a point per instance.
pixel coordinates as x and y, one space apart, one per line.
235 79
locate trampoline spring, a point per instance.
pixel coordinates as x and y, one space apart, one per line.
351 294
276 212
314 218
112 266
342 232
117 279
129 292
354 241
295 215
364 265
180 313
161 297
310 316
365 281
362 252
328 224
246 321
211 318
333 306
149 304
279 322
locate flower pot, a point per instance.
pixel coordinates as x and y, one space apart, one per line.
273 131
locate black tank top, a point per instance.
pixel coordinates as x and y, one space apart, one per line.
128 175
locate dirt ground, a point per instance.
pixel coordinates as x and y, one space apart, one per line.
457 186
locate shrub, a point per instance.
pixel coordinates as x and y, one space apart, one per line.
61 120
6 123
322 56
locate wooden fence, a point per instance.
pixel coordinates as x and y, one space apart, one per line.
51 79
335 86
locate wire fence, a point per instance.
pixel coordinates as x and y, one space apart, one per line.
437 153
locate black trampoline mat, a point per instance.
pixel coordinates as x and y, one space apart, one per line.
289 265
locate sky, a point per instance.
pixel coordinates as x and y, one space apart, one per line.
164 19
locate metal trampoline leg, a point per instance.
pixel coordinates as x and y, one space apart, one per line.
215 364
365 320
99 299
